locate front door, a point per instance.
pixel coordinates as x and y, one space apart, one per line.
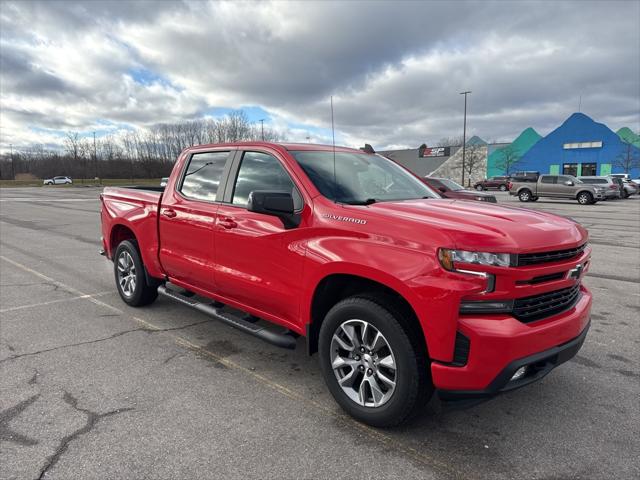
258 262
187 220
546 186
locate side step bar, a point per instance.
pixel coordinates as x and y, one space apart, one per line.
278 339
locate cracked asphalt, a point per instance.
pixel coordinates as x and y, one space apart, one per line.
90 388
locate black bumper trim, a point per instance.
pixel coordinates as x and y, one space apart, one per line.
540 364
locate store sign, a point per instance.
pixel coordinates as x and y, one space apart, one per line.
436 152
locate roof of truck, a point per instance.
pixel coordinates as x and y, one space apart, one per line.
285 145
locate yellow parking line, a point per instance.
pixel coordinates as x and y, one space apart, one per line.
372 433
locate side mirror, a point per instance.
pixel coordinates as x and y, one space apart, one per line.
277 204
569 183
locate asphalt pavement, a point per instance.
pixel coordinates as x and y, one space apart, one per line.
90 388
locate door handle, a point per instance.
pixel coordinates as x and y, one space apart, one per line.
227 222
167 212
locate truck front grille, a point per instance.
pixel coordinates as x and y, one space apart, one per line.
537 307
544 257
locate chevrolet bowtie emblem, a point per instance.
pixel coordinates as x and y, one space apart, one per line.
575 272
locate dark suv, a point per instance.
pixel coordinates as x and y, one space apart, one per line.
500 183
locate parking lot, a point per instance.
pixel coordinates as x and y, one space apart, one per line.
91 388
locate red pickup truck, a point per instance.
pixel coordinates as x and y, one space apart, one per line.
402 293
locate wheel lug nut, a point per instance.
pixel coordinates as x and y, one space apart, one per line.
361 367
369 372
357 357
362 349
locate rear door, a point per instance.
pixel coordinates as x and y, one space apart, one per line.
187 218
547 186
259 262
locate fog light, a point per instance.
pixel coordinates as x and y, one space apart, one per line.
521 372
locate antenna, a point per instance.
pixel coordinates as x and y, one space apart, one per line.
333 136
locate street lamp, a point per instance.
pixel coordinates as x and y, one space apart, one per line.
262 127
464 133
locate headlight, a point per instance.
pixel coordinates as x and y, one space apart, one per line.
448 258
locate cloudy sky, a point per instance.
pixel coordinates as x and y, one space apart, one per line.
395 69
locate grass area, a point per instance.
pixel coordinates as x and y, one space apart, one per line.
103 182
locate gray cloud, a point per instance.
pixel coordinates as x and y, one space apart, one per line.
395 68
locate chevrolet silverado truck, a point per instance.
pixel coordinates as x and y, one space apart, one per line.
402 293
557 186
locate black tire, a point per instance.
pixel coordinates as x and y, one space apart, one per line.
525 195
625 194
585 198
502 188
413 386
479 188
142 293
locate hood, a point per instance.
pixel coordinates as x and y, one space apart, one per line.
482 226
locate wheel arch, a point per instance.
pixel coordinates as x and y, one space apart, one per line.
335 287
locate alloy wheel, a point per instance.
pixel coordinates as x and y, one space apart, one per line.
126 274
363 363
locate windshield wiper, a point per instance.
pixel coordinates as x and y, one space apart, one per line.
368 201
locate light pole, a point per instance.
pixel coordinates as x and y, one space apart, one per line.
95 156
262 127
464 133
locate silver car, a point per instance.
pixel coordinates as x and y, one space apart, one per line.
58 181
611 188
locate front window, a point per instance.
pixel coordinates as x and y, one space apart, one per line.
360 178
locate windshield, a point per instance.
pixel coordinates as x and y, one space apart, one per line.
450 184
360 178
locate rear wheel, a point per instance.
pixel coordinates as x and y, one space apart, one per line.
479 188
525 195
585 198
131 280
374 367
503 188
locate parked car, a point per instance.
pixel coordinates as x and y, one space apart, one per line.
630 187
402 293
557 186
623 176
612 189
500 183
626 188
163 181
57 181
450 189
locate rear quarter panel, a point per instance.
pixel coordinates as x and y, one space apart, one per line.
136 210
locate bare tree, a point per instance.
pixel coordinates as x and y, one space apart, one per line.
509 157
628 158
455 141
474 160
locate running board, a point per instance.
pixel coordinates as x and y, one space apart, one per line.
278 339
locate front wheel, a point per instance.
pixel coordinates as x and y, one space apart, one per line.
479 188
503 188
373 365
585 198
524 195
131 280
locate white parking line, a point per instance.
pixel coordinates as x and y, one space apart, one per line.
44 199
60 300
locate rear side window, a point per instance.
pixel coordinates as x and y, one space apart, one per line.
202 178
548 179
261 171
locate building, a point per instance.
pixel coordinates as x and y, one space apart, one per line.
422 162
581 146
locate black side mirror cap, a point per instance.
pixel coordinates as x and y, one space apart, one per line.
277 204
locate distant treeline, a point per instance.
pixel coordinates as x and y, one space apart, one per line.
137 154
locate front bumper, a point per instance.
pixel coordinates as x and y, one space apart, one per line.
538 366
500 345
